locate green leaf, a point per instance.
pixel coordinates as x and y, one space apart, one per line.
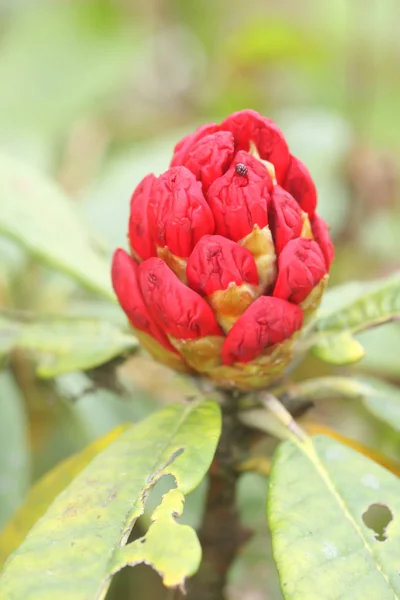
14 447
349 309
334 517
42 494
381 399
339 349
60 61
174 561
63 345
38 215
382 356
94 516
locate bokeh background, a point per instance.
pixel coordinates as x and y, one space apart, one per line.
95 93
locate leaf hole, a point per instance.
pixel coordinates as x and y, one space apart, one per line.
151 501
377 517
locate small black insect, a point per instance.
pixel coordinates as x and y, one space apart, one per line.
241 169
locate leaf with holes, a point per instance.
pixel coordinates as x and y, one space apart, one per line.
38 215
94 515
335 522
42 494
349 309
61 345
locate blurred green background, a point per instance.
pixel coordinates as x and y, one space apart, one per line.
95 93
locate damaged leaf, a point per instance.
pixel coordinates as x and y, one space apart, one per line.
319 494
94 515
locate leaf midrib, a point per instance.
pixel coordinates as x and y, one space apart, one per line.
309 451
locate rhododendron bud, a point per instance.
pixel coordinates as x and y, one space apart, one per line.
229 258
210 157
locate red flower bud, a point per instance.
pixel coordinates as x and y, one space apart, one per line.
285 218
178 213
321 235
180 311
217 262
184 146
298 182
139 236
301 268
124 274
239 202
210 157
248 126
266 322
229 246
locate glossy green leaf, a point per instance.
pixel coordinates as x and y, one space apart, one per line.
335 522
42 494
350 309
38 215
14 447
94 516
63 345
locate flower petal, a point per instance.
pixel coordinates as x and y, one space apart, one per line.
178 213
301 267
266 322
249 126
210 157
298 182
217 262
285 218
184 146
239 199
321 235
140 240
124 274
180 311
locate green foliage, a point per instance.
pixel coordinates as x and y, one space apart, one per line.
38 215
60 345
45 490
94 515
325 543
350 309
60 60
14 448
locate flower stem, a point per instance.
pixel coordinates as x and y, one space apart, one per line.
221 534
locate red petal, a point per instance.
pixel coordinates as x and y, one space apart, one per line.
139 235
184 146
124 274
181 312
321 235
301 267
178 212
299 184
249 126
210 157
239 202
266 322
216 262
285 218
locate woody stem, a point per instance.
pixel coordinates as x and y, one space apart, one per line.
221 533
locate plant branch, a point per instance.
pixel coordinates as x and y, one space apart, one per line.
221 534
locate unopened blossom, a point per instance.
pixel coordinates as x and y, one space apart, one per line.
229 257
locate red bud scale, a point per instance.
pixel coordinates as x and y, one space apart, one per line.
229 257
